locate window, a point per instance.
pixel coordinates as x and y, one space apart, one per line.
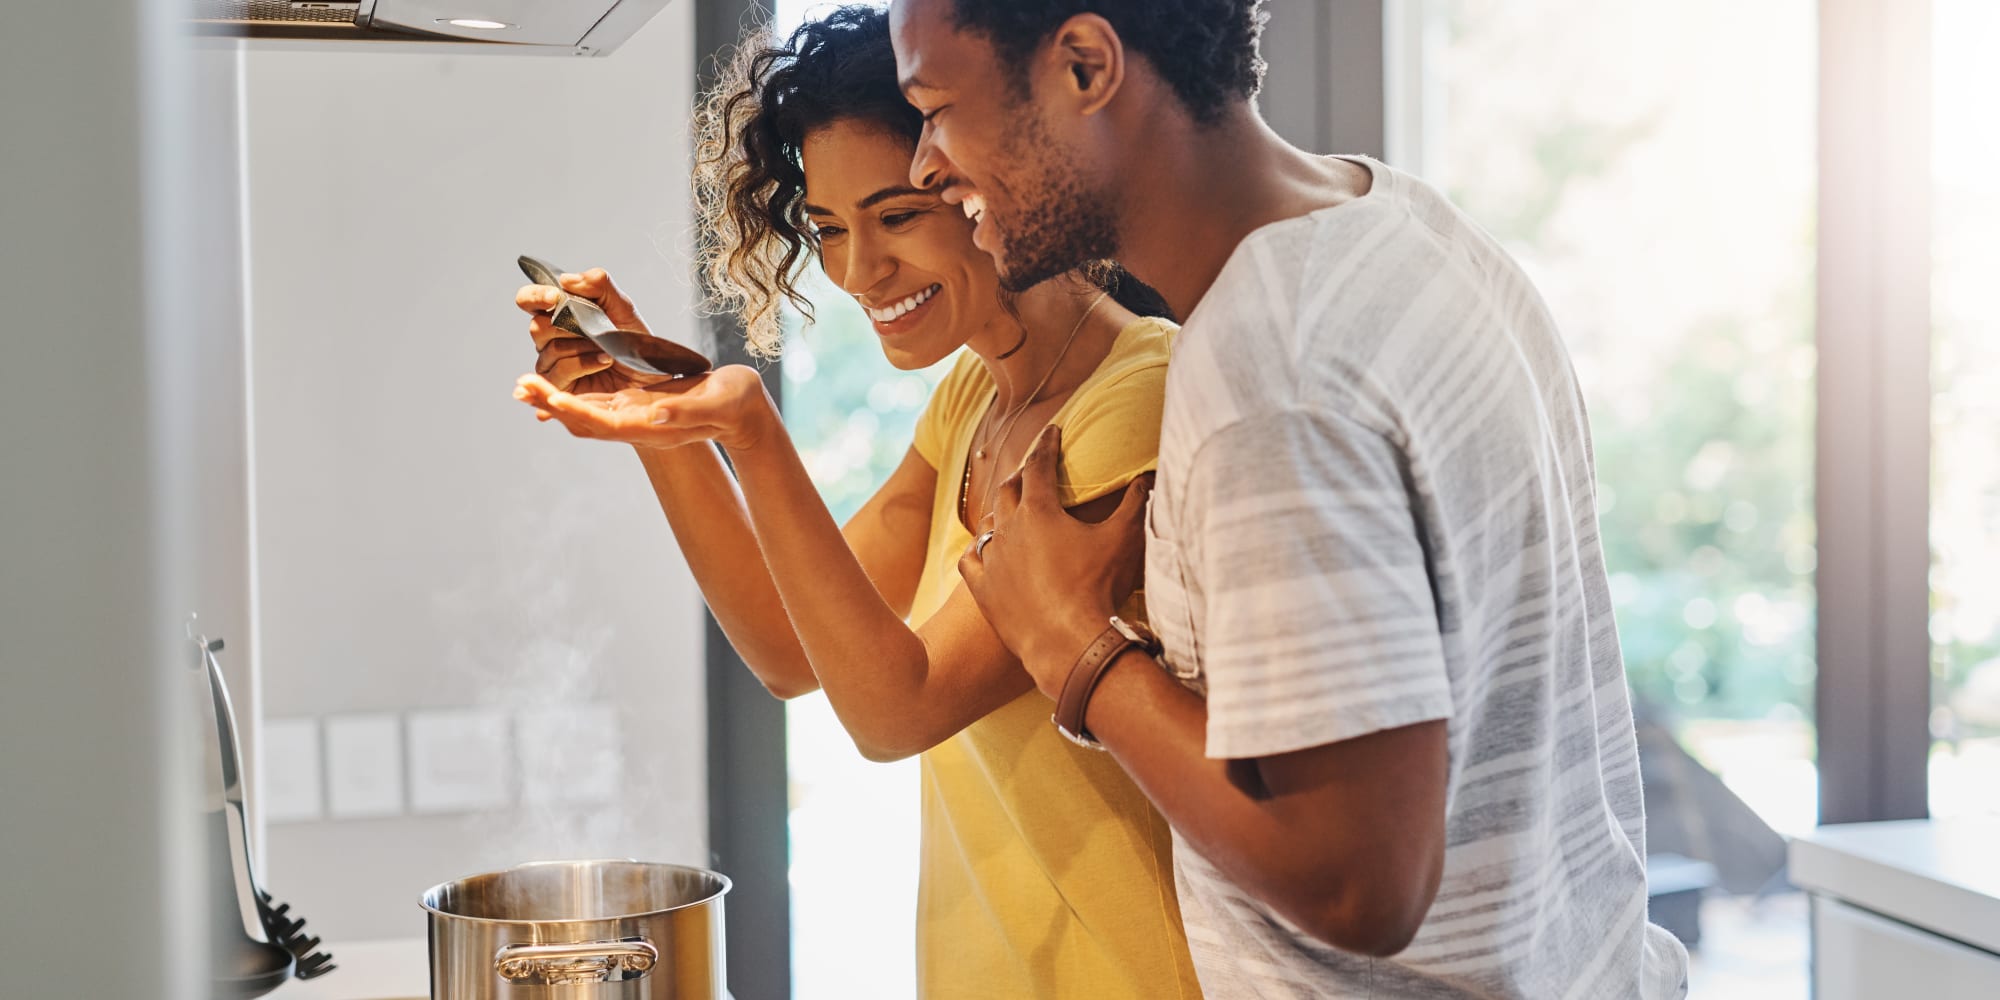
1656 169
1652 167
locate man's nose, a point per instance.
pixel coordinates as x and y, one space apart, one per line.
927 166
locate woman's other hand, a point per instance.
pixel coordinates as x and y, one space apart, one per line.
728 406
569 362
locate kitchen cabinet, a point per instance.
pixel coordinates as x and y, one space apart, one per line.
1858 954
1903 909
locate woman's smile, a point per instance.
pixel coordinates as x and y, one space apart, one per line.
904 314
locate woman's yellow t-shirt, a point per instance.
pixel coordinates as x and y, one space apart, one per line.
1044 872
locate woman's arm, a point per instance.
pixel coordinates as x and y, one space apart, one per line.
897 690
706 512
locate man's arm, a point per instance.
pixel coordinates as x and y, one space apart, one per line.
1344 834
1344 840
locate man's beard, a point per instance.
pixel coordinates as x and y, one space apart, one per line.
1062 224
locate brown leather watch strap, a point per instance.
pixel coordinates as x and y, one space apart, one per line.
1083 677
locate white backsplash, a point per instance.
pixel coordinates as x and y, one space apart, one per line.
424 548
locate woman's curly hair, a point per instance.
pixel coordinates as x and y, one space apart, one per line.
749 183
753 239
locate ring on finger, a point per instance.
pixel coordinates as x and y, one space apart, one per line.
979 544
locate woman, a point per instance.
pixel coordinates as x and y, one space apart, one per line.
1044 871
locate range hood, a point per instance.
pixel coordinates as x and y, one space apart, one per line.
578 27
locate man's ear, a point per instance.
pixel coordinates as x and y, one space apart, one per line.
1092 61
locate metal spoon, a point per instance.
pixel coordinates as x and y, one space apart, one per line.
257 963
642 353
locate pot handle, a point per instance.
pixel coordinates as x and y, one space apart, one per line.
578 962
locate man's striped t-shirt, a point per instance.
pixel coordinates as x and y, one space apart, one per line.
1375 507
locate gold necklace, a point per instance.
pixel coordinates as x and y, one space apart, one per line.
1007 425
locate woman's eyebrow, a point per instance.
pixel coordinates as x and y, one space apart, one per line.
891 192
872 200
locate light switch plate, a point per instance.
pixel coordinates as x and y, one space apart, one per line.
569 755
364 772
289 771
460 761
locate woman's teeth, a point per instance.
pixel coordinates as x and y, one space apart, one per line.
891 313
974 206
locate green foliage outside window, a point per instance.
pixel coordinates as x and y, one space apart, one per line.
851 413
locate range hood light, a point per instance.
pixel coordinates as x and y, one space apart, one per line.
547 27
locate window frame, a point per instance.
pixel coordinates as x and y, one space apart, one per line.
748 780
1872 487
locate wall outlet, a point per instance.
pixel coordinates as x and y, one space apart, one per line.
364 773
460 761
289 771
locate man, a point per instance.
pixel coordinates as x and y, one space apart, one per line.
1389 724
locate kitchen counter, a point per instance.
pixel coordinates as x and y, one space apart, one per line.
1907 908
1941 875
368 970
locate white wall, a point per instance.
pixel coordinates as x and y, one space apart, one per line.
421 543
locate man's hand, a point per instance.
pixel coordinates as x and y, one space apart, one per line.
1047 581
569 362
728 406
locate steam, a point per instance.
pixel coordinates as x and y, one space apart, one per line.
578 701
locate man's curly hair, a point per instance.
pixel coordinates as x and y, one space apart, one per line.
1206 50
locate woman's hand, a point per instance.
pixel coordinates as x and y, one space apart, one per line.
728 406
569 362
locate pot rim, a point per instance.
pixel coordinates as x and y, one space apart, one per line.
722 890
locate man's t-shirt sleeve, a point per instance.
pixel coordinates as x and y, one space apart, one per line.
1318 622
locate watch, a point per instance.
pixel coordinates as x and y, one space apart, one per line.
1090 668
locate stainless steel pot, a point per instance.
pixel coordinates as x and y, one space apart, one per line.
579 930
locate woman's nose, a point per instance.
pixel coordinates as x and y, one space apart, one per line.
866 266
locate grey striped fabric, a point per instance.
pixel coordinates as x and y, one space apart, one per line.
1375 507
